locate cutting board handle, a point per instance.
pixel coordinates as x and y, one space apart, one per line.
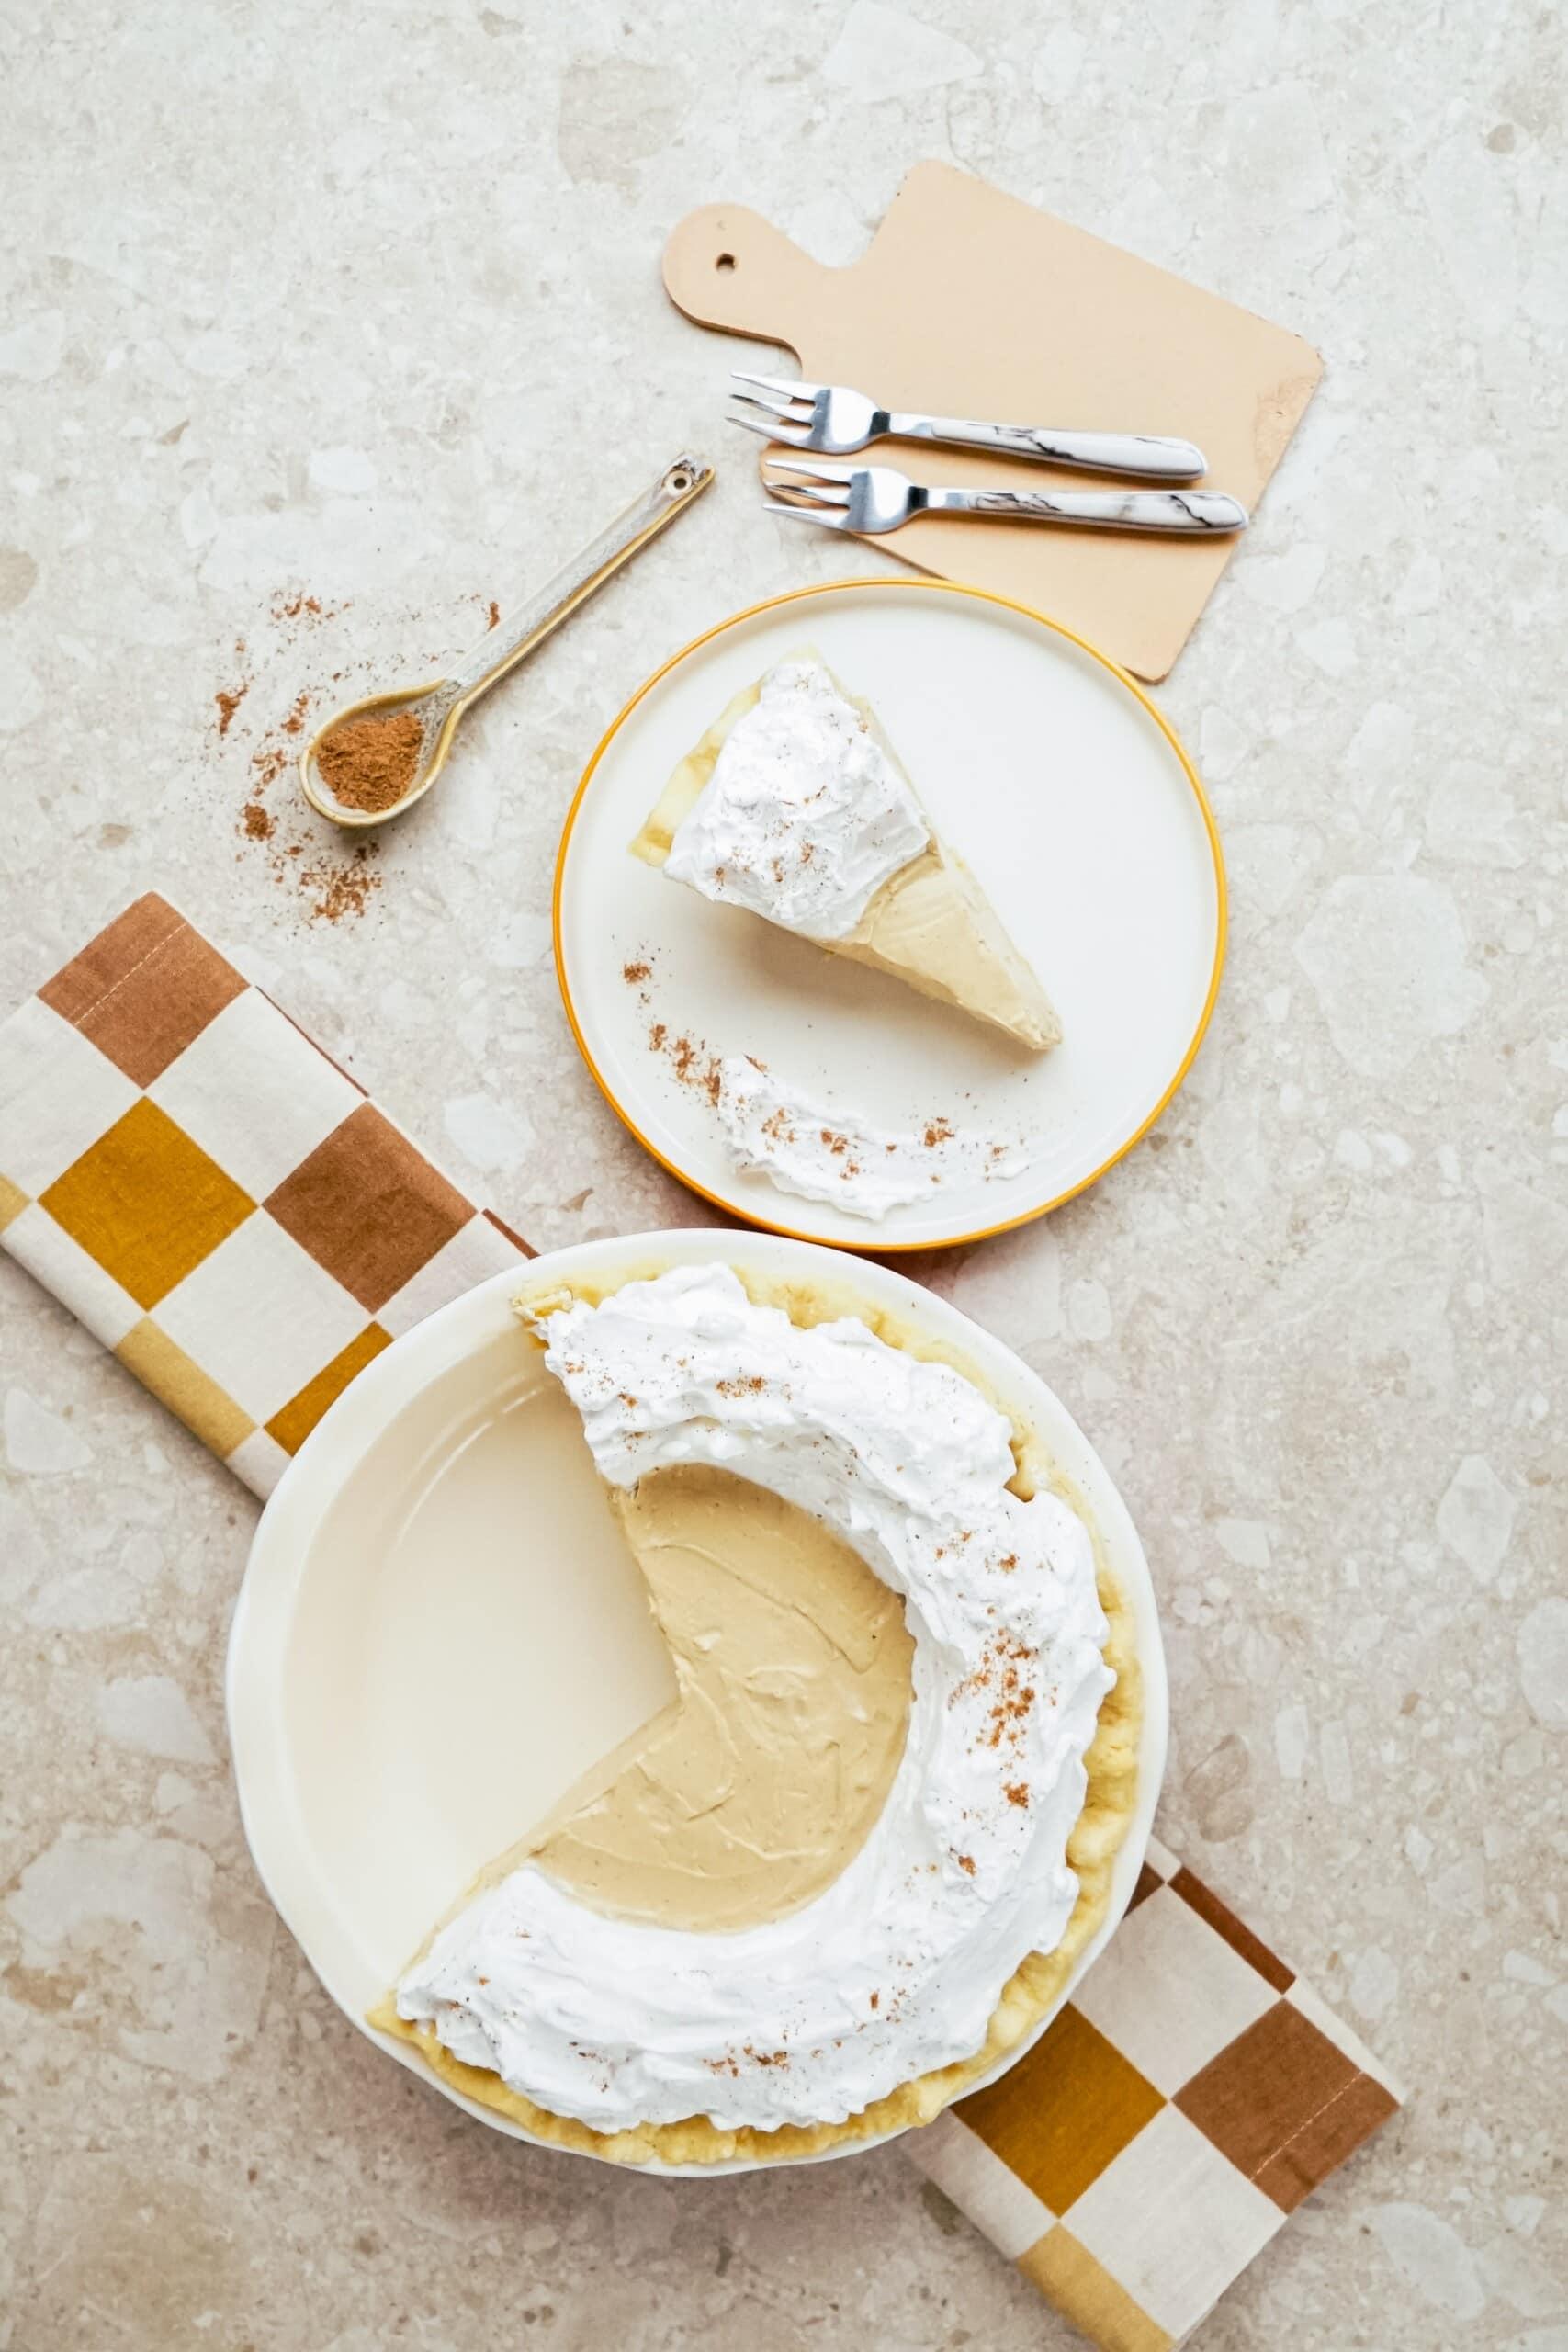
727 267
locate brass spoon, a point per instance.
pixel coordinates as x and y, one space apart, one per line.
441 703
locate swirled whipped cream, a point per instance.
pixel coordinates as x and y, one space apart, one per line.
805 817
897 1967
803 1145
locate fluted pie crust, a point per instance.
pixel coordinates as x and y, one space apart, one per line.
1111 1765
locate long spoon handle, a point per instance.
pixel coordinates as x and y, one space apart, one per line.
517 634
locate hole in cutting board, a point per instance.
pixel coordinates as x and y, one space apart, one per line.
725 261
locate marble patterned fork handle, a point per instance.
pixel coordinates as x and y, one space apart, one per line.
1199 511
1154 456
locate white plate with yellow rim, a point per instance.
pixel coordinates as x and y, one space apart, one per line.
440 1628
1058 782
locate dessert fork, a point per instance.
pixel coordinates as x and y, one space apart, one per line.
834 420
874 498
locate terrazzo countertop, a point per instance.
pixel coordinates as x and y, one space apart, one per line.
315 320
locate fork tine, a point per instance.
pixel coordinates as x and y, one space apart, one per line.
773 429
751 406
776 405
797 436
813 493
795 389
821 471
827 518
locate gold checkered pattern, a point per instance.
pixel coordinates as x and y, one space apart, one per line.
1166 2124
217 1201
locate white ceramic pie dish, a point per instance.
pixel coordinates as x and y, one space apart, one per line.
412 1680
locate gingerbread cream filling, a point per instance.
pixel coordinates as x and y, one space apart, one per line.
756 1787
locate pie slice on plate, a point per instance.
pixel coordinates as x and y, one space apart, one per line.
796 805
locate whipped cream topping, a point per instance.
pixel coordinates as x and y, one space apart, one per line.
803 1145
805 817
895 1967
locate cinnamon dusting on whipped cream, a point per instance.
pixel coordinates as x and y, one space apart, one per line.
802 1147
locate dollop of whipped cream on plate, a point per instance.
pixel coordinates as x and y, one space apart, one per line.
804 1146
805 817
897 1967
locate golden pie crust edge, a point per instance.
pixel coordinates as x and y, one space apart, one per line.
1111 1765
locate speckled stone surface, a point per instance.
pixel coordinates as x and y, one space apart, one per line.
325 302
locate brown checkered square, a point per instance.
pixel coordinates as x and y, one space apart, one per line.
147 1202
1225 1923
368 1208
143 988
1098 2102
1148 1882
1284 2105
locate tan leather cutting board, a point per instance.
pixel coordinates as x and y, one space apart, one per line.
970 303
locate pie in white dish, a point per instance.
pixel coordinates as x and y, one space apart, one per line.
934 1803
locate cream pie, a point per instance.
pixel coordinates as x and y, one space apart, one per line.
854 1861
796 806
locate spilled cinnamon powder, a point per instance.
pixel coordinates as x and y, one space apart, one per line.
303 607
299 854
342 890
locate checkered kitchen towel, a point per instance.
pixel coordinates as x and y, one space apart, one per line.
221 1205
1171 2117
213 1197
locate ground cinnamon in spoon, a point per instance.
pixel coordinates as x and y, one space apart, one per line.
370 763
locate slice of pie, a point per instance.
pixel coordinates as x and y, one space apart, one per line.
796 805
